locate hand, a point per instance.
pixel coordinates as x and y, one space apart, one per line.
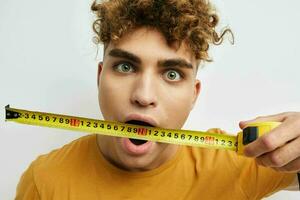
280 148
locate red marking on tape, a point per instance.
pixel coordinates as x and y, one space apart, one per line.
209 140
74 122
142 131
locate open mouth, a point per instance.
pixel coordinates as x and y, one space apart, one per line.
137 122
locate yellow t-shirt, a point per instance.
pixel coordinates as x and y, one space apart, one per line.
78 171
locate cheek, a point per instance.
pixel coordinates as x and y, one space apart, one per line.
178 104
110 97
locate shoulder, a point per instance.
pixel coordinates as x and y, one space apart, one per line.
215 158
52 168
66 153
255 181
64 161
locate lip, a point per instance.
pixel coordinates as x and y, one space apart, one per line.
136 150
139 117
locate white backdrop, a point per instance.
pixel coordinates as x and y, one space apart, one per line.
48 63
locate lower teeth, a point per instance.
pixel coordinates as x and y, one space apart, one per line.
138 142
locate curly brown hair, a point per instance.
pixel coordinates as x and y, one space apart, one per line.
193 21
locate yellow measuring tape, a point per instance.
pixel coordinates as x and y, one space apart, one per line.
118 129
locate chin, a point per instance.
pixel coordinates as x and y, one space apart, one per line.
136 164
137 155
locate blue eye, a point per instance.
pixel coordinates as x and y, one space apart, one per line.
173 75
124 67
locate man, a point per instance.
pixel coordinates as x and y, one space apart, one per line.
152 50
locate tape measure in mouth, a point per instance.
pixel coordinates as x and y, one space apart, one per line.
118 129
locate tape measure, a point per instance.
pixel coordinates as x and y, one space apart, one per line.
156 134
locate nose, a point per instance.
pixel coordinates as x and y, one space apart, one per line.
144 94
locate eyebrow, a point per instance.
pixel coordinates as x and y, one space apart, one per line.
177 62
174 62
125 54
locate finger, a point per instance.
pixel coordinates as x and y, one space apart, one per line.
292 167
277 118
281 156
216 130
272 140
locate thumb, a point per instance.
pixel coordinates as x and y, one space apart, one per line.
268 118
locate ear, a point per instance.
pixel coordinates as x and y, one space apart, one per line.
197 89
100 66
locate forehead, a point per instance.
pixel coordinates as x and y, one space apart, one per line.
151 45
